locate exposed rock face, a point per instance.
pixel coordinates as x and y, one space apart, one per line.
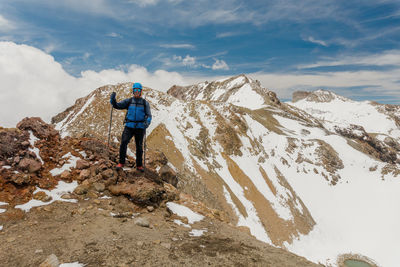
39 128
26 164
370 145
299 95
318 96
227 90
142 192
30 165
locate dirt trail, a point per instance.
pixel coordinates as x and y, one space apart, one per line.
86 232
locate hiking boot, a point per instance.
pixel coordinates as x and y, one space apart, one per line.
140 168
120 166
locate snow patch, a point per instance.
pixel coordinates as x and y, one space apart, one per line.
35 150
179 222
61 189
183 211
73 264
197 233
247 97
71 163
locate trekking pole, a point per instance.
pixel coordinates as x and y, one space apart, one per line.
109 128
144 152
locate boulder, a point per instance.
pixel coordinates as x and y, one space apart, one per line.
30 165
81 189
99 187
144 192
107 174
96 147
42 196
11 142
82 164
21 179
39 128
85 174
144 222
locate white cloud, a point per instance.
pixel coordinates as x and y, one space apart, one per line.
6 25
114 35
220 65
315 41
227 34
144 3
373 82
34 84
185 61
185 46
387 58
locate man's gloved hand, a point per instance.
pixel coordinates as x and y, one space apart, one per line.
112 97
113 94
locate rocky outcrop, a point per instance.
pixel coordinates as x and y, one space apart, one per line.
369 144
318 96
26 163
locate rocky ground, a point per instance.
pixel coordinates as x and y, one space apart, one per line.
118 217
87 233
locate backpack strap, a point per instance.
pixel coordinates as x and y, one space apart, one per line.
126 114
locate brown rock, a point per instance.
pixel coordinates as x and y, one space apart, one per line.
42 196
99 187
25 143
81 189
107 174
16 160
146 193
30 165
82 164
65 174
21 178
150 208
39 128
85 174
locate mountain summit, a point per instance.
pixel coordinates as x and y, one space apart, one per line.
305 176
238 90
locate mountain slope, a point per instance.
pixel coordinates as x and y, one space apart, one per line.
289 177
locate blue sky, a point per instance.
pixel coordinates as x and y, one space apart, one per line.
350 47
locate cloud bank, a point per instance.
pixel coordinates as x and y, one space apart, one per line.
34 84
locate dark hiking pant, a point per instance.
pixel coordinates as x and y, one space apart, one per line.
127 135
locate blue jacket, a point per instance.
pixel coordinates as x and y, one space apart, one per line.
138 114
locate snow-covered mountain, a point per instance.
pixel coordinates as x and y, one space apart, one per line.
319 188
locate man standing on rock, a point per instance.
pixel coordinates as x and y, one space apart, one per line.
137 119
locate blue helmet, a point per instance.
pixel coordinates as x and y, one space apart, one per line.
137 86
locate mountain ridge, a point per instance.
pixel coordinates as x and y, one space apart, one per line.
259 162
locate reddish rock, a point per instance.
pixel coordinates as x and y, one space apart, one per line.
84 174
81 189
25 143
145 193
30 165
16 160
65 175
10 142
42 196
39 128
82 164
21 179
